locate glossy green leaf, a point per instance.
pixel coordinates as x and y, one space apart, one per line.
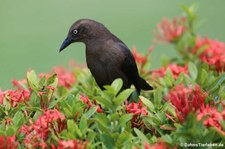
123 96
90 112
117 85
193 71
32 80
140 135
147 103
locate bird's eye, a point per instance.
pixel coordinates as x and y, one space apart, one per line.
75 31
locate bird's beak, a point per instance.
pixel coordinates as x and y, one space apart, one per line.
66 43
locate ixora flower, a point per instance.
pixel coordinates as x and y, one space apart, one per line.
17 96
88 102
137 110
186 100
37 133
212 115
139 58
170 30
70 144
19 83
174 68
213 52
2 95
160 145
65 78
8 142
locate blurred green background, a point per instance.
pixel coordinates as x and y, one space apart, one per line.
32 31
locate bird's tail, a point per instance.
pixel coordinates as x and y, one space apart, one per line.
144 85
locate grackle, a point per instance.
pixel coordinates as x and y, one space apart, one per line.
107 57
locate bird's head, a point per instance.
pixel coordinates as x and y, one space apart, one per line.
82 31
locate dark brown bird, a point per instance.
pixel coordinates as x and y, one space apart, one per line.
108 58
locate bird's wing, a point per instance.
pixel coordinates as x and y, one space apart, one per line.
129 66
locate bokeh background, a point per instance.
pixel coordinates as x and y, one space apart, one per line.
32 31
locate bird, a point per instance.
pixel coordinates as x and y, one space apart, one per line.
107 57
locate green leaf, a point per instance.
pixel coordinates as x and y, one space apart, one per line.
102 121
167 139
90 112
203 76
105 102
83 124
53 81
125 118
123 96
108 141
157 97
141 135
193 71
73 128
169 79
32 80
201 49
124 139
148 103
217 83
117 85
11 131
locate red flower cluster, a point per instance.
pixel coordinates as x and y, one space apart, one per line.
137 110
186 100
2 95
65 78
160 145
139 58
19 83
17 96
213 117
174 68
8 142
214 53
71 144
170 30
87 101
37 133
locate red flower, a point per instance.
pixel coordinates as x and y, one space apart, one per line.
71 144
8 142
65 78
213 117
2 96
16 96
37 133
19 83
88 102
170 30
174 68
137 110
160 145
214 53
139 58
41 75
186 100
